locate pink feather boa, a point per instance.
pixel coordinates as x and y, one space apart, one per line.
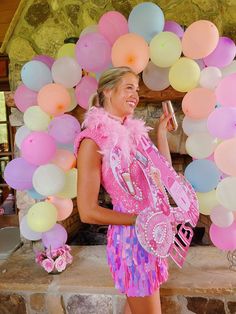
110 132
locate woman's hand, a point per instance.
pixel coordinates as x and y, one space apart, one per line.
164 124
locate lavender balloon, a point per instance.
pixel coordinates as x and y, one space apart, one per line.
45 59
223 54
172 26
55 237
83 91
18 174
221 122
64 128
93 52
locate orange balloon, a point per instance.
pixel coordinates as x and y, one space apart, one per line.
200 39
64 206
224 156
54 99
199 103
130 50
64 159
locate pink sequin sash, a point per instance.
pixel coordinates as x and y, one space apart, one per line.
156 226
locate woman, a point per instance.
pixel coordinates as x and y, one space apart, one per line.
106 156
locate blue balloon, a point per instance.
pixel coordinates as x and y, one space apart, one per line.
203 175
36 74
147 20
35 195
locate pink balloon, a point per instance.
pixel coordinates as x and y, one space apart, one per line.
221 122
223 54
83 91
55 237
45 59
112 25
224 238
226 91
93 52
200 39
199 103
64 206
18 174
38 148
172 26
64 129
25 98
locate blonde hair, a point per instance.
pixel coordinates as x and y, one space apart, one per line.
108 80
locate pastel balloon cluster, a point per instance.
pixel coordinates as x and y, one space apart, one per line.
196 61
46 166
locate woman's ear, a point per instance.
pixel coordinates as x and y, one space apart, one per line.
107 93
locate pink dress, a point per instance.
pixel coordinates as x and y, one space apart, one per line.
135 271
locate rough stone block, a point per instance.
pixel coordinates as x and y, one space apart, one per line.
232 307
200 305
37 302
170 305
14 304
89 304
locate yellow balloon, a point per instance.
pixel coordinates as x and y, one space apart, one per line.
42 216
73 102
165 49
225 193
200 145
36 119
184 74
207 201
67 50
70 187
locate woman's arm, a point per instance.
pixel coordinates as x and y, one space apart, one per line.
162 143
89 179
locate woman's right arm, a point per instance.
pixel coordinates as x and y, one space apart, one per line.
89 179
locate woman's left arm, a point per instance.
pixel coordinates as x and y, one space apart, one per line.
162 143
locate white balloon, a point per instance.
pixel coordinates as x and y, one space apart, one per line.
89 29
21 134
48 179
230 69
194 126
156 78
28 233
221 217
210 77
36 119
200 145
66 71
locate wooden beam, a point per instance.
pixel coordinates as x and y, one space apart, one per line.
148 96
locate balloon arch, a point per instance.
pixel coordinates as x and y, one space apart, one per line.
196 61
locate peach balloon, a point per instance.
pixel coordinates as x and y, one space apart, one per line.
54 99
199 103
225 156
130 50
200 39
64 159
64 206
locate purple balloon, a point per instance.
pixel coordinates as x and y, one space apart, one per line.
45 59
172 26
18 174
25 98
223 54
55 237
93 52
64 129
38 148
83 91
221 122
224 238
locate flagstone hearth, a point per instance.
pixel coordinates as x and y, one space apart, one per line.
204 285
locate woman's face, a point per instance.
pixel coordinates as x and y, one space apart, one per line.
123 98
